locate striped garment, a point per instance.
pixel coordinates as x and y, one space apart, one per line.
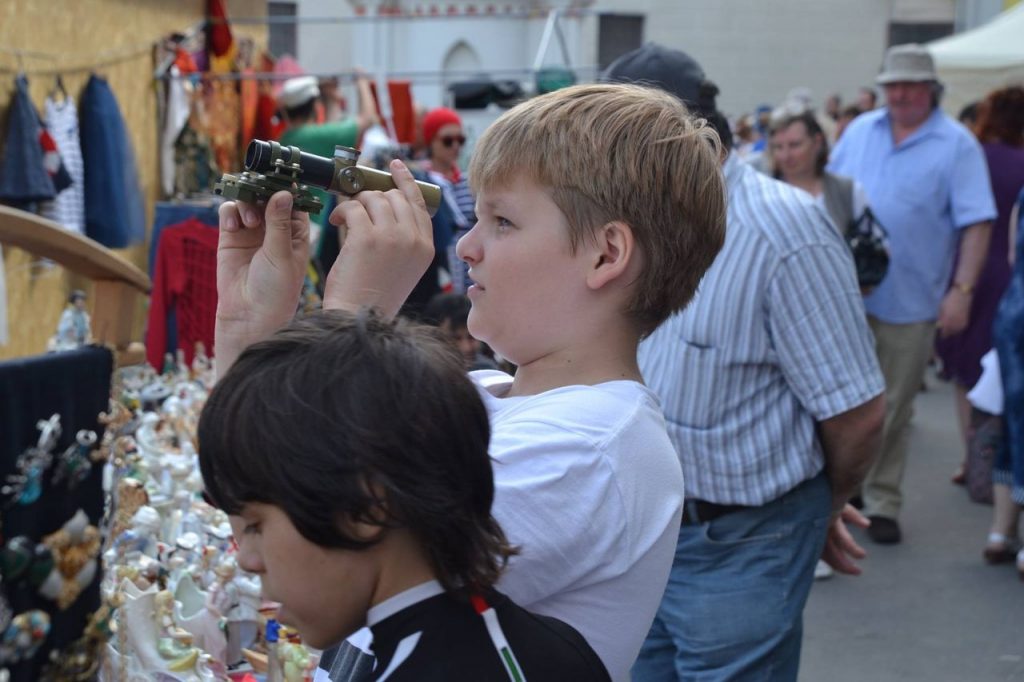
775 340
463 204
68 208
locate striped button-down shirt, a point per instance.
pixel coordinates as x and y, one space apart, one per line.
775 341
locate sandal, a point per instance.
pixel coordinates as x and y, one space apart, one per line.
1002 550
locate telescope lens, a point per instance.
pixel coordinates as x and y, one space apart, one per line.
257 156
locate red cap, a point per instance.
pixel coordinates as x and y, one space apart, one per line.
437 119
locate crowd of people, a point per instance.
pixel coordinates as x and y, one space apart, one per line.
688 378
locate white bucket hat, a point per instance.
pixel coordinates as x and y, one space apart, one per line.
911 63
298 91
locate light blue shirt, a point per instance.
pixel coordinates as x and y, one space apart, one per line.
775 341
923 192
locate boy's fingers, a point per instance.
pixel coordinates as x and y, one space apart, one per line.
277 241
403 211
249 214
378 207
227 216
406 183
352 217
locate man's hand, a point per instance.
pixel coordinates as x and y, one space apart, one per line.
954 313
388 244
840 548
262 255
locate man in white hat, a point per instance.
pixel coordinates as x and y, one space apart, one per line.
297 102
927 181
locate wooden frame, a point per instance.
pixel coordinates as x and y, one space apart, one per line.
116 280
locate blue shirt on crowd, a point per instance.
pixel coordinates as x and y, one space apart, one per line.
923 191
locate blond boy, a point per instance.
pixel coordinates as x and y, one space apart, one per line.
599 209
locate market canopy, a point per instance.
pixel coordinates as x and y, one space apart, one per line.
973 63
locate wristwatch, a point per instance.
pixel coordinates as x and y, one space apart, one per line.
965 289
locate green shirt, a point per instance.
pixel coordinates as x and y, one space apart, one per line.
321 139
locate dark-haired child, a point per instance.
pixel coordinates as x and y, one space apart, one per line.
352 500
450 313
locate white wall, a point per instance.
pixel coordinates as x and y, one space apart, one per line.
325 47
756 51
503 46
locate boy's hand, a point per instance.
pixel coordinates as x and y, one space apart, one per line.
262 254
388 244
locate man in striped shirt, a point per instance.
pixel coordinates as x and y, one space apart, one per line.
774 401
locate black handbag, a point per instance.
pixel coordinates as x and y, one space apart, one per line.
867 241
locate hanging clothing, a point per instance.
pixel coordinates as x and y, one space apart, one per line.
68 207
403 111
178 109
114 207
23 176
185 279
224 114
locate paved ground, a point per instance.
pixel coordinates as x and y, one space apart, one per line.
929 608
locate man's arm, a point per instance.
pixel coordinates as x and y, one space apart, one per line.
367 112
954 313
850 441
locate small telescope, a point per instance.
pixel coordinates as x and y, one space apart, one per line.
271 167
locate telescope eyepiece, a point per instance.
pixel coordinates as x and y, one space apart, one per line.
257 156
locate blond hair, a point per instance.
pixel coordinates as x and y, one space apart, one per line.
616 152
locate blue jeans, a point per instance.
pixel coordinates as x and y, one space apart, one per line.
733 607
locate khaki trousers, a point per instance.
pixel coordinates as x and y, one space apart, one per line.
903 352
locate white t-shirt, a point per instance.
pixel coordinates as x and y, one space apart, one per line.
588 485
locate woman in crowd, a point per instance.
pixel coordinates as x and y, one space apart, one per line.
799 154
1000 128
445 139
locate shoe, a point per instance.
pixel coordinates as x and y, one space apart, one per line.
959 476
823 571
884 531
1001 549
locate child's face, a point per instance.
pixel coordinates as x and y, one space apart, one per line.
463 340
324 593
528 286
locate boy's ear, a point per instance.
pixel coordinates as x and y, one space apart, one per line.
614 249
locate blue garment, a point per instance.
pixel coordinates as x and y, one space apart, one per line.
774 342
733 607
923 192
114 206
23 177
1008 334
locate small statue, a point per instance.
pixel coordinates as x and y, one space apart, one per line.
73 329
221 599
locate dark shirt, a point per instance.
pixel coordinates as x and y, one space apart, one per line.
453 644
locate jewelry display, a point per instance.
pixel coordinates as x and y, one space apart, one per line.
26 485
23 637
75 462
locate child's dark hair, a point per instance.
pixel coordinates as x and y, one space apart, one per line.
453 308
349 417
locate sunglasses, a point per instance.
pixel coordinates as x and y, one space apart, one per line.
449 140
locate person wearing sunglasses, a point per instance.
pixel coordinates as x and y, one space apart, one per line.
445 140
